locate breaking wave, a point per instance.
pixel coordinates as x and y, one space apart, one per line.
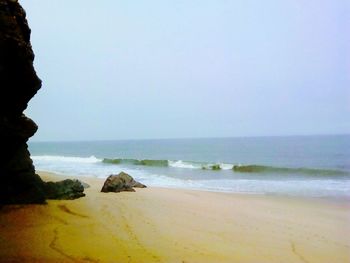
67 159
159 163
272 169
257 169
225 166
169 163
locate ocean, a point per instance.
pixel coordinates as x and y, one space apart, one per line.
310 166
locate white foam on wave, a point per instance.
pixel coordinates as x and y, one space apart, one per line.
67 165
182 164
226 166
158 180
70 159
194 165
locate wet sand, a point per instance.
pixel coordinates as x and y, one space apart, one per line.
173 225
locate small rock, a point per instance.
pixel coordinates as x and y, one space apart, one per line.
64 190
120 182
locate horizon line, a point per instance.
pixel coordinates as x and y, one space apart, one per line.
191 138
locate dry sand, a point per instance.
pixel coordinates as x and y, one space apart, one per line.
171 225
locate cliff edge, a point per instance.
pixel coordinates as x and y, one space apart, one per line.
18 84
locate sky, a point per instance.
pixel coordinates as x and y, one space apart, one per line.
189 68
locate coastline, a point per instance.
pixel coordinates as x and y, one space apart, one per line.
175 225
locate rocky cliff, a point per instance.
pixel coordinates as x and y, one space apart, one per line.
18 84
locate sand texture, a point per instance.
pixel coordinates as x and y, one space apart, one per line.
171 225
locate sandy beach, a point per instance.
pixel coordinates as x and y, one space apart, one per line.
172 225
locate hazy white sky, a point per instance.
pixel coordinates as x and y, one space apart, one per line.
190 68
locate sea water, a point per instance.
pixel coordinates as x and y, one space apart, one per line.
314 166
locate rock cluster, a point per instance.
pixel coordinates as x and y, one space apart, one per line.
120 182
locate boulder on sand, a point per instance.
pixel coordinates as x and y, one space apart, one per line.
64 190
120 182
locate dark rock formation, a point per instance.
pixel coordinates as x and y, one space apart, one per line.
120 182
66 189
18 84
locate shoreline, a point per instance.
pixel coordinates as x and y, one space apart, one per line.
175 225
344 200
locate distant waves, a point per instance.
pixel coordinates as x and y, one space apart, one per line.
210 176
237 168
